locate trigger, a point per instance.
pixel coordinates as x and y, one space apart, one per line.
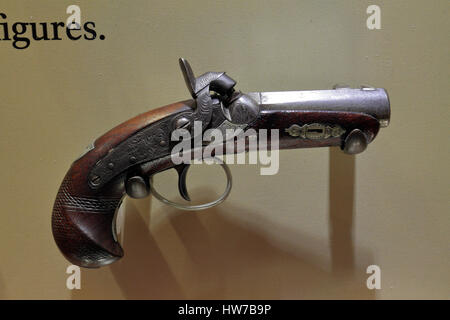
182 172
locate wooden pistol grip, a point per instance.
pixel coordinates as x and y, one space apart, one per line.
83 218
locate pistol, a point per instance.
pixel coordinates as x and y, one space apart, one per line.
124 160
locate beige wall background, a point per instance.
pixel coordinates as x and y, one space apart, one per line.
308 232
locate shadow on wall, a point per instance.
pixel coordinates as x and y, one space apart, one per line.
209 255
2 288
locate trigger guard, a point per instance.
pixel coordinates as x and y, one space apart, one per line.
200 206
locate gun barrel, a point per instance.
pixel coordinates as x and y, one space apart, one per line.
371 101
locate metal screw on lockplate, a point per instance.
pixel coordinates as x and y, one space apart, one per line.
95 180
182 123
